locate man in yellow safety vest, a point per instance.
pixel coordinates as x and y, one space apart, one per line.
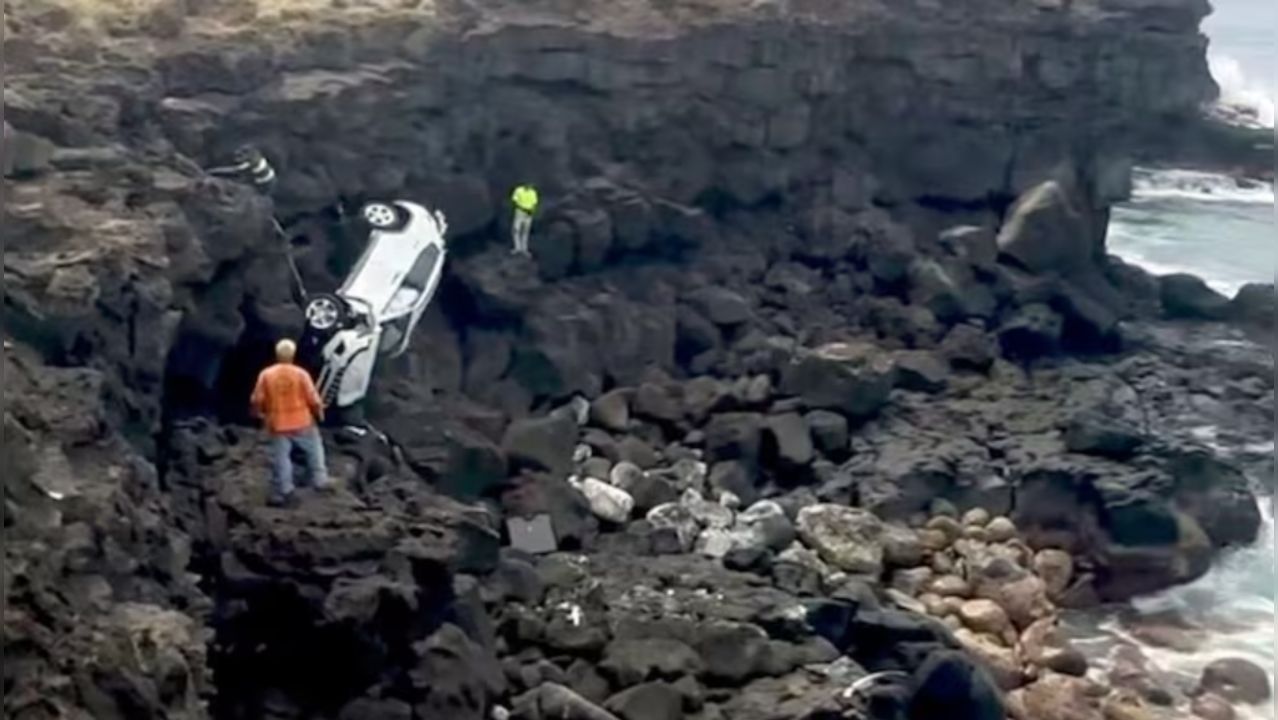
525 200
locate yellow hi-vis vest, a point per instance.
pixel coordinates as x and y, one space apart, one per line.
525 198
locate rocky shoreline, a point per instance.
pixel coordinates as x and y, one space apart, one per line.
821 373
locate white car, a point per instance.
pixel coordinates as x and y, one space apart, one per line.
377 308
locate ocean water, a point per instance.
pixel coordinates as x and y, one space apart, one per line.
1225 233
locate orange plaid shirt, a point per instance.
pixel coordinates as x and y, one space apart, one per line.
286 398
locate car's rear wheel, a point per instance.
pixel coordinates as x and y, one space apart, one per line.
325 313
383 216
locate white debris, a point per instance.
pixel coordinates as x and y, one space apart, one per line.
606 502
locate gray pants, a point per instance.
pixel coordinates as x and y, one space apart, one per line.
311 443
520 230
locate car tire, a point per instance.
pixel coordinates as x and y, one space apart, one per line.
384 216
326 313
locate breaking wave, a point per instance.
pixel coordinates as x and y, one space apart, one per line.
1151 185
1242 101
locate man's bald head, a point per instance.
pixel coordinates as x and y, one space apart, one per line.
285 351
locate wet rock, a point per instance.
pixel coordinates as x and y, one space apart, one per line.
1212 707
1236 680
1125 706
1044 645
1056 568
985 617
1000 660
1057 697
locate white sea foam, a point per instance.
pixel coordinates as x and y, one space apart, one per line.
1162 185
1242 100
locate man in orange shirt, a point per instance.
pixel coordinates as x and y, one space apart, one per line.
286 399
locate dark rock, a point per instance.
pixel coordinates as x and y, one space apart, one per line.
637 452
1093 434
631 662
650 491
370 709
756 560
736 477
660 403
921 371
788 434
967 347
975 245
950 685
652 701
556 702
796 579
25 155
532 495
949 290
1035 331
611 411
1218 496
1187 297
854 380
1048 231
829 432
722 307
734 436
1254 305
545 444
732 654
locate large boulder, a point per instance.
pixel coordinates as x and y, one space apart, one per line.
849 539
1236 680
855 380
543 444
1187 297
1047 231
1254 305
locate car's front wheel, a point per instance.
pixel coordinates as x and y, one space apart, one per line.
325 313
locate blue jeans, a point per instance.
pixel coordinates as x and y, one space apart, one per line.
311 443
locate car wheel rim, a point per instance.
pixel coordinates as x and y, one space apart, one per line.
380 215
322 314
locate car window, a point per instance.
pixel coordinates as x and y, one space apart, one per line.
419 277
